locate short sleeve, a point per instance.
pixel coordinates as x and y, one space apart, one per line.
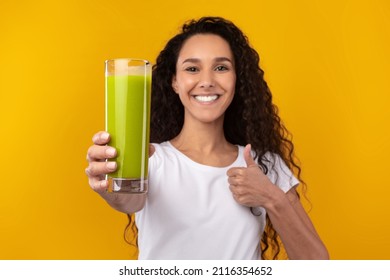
155 159
278 172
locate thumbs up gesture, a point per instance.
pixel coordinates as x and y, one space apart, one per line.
249 185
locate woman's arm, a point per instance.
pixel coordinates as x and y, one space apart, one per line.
252 188
294 227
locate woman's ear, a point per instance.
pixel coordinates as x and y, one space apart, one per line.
174 84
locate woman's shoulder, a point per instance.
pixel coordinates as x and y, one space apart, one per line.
163 150
162 147
274 162
278 171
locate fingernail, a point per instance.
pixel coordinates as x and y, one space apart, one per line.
111 165
104 136
110 152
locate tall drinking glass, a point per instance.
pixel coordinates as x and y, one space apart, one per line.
128 90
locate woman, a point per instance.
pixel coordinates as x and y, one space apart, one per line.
212 196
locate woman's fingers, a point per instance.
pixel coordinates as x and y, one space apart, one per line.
101 138
98 153
98 166
236 171
99 186
99 169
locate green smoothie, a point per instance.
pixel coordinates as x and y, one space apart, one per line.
127 122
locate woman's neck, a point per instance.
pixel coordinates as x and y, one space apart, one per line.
205 143
200 137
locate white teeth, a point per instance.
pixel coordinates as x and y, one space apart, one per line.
206 98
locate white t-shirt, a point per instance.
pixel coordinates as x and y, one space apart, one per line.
190 212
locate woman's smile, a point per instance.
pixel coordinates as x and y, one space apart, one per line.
206 99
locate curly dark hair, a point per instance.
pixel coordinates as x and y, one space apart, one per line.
251 117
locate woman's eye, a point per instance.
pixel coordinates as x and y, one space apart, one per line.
191 69
221 68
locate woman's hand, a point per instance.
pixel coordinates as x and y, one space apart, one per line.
250 186
97 169
98 166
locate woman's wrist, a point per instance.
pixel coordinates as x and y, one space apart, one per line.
276 201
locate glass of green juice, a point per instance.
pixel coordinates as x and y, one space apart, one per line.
127 112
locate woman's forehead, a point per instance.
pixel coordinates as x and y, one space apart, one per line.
205 46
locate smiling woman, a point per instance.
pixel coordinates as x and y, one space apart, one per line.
213 125
326 62
205 78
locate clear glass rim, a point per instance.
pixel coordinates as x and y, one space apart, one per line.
147 62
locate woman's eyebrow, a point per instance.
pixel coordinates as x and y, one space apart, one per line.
217 59
223 59
191 60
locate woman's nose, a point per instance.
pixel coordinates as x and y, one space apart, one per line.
206 80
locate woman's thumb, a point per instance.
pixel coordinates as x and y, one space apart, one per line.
248 156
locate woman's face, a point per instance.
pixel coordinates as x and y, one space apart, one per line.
205 77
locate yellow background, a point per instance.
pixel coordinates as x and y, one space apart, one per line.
327 63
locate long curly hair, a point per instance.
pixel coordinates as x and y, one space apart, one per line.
251 117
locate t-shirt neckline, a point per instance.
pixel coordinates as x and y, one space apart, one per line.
192 162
